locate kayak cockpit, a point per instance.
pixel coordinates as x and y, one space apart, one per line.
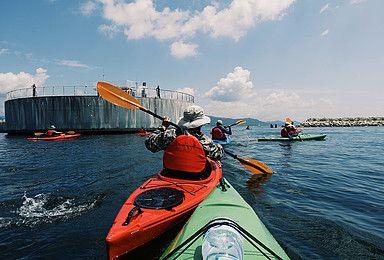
191 176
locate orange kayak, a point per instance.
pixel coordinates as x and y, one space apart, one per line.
155 207
57 137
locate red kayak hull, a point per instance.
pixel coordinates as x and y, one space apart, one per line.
150 223
145 133
58 137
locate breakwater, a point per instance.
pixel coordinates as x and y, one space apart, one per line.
343 122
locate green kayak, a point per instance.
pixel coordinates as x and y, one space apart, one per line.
224 207
303 137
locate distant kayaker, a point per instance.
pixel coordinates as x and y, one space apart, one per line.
142 130
289 130
52 131
248 127
218 132
185 147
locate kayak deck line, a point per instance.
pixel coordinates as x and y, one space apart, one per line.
177 185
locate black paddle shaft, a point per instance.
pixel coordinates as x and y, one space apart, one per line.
158 116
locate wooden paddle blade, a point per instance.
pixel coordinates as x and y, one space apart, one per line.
254 166
38 134
70 132
288 120
117 96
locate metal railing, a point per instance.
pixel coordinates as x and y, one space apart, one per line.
129 86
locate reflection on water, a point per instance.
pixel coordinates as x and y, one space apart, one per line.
256 182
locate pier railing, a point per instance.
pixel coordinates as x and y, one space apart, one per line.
133 89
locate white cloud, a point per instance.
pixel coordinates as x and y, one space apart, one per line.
10 81
72 63
276 105
235 96
325 33
108 30
88 8
187 90
356 1
236 86
181 50
325 7
140 19
3 51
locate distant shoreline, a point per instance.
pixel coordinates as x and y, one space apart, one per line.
343 122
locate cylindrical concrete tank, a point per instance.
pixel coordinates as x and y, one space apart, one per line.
86 114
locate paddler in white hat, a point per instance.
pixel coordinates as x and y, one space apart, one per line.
190 124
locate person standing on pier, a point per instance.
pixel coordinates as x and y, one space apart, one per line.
34 90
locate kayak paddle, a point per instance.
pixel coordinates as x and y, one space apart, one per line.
252 165
121 98
69 132
238 123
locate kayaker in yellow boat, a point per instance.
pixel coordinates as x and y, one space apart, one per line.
186 148
218 132
289 130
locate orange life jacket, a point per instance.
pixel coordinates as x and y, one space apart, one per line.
185 153
217 134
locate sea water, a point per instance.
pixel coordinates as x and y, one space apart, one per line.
58 199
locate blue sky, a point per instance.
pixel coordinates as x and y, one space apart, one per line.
266 59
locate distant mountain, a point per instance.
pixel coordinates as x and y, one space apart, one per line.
250 121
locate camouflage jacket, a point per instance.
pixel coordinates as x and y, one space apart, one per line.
160 139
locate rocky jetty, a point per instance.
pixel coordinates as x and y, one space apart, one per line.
343 122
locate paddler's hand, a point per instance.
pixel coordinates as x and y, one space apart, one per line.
166 122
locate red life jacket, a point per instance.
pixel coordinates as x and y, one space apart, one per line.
49 133
217 134
284 132
185 153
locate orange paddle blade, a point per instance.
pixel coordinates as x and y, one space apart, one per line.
288 120
117 96
38 134
254 166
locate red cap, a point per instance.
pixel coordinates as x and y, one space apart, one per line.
185 153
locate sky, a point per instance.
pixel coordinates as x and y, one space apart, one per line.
264 59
